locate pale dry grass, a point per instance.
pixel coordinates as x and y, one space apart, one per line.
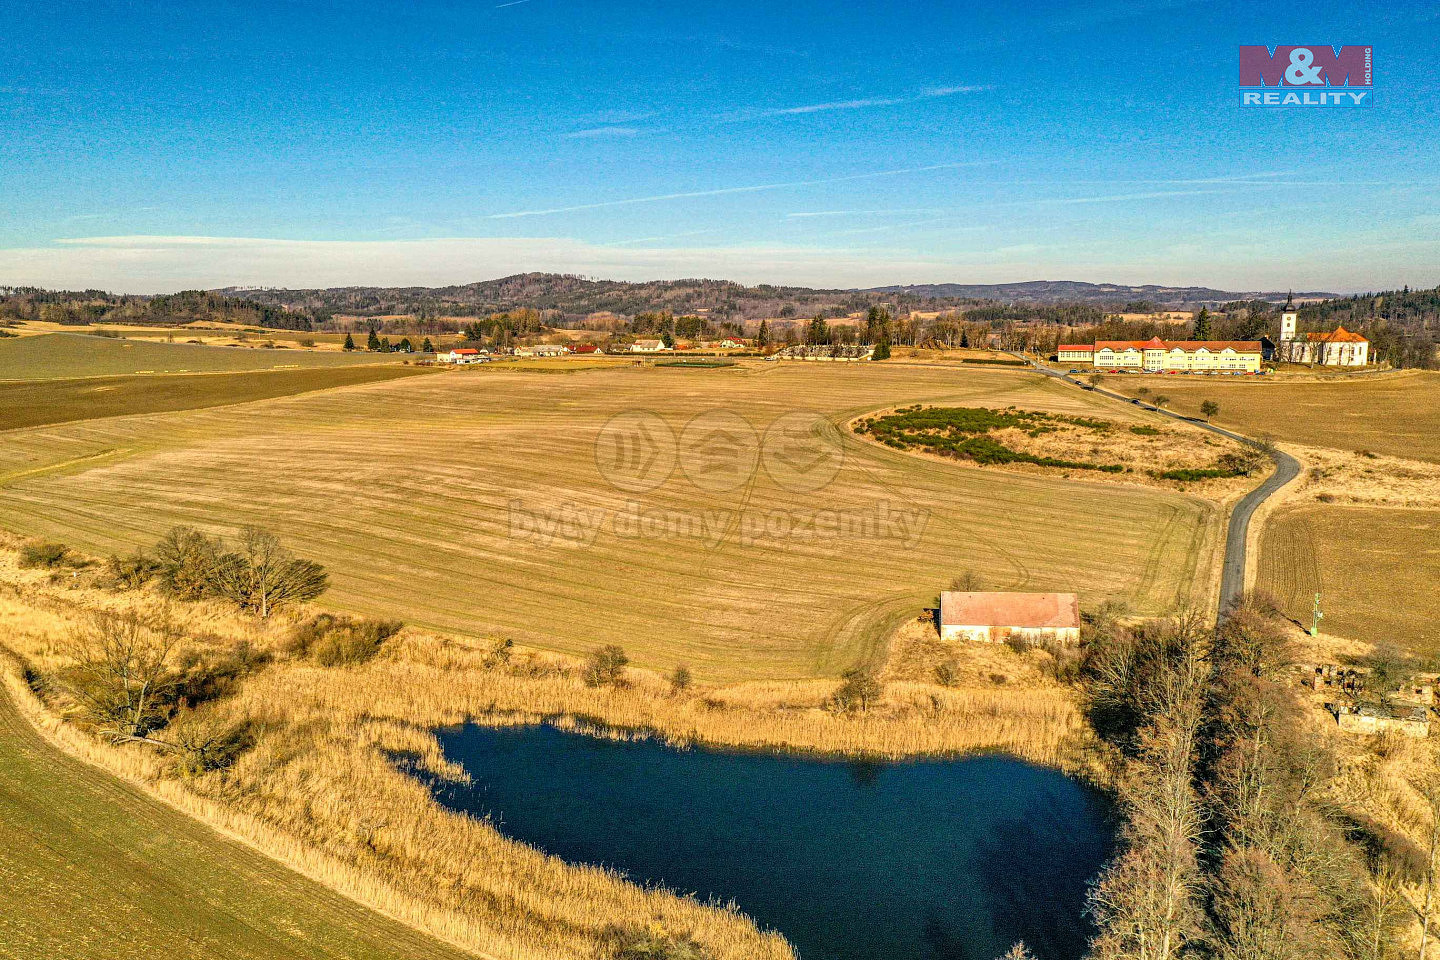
1366 479
320 792
1396 414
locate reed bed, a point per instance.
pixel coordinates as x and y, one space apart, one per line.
326 788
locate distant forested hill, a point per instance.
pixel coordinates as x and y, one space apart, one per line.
720 299
78 308
1074 291
570 296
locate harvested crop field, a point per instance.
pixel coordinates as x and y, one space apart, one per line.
63 355
477 503
1374 567
1396 414
33 403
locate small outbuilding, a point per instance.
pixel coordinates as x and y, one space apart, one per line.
995 617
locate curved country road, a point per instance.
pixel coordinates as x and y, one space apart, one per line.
1287 468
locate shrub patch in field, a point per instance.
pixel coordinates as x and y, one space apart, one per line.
991 437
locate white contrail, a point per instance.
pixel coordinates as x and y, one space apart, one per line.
728 190
864 102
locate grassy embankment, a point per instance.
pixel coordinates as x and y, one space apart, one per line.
409 492
92 868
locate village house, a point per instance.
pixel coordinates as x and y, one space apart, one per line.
548 350
1178 356
648 346
582 348
1076 353
463 355
995 617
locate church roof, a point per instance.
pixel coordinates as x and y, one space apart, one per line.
1338 335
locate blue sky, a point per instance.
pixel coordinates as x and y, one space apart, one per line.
149 146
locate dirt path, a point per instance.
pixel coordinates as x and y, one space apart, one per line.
91 867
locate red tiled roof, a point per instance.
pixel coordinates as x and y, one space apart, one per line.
583 348
1080 347
465 350
1009 609
1155 343
1338 335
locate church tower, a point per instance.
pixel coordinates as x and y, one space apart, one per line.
1288 318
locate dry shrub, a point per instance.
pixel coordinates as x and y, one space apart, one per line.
333 640
606 666
621 943
44 556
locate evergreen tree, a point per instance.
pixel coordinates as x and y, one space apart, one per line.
819 331
762 337
349 342
882 351
373 343
427 346
1202 324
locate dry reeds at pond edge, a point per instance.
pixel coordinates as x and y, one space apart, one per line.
319 789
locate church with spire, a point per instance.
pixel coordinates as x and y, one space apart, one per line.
1338 348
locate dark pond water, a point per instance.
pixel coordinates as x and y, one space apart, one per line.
923 860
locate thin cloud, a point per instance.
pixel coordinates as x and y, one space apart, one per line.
601 133
1123 197
725 191
861 103
512 3
804 214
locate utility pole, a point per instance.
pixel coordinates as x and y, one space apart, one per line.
1316 617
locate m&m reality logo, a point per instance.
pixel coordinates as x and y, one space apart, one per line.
1317 75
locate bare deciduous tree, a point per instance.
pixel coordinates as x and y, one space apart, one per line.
263 574
121 673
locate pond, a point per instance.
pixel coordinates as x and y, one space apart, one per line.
916 860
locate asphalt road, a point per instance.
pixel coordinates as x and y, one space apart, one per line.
1287 468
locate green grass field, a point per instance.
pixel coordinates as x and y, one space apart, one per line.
62 355
32 403
409 492
92 869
